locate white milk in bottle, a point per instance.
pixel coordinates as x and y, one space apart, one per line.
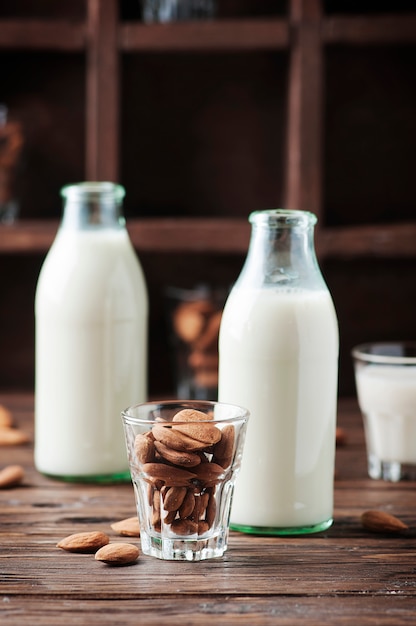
91 312
278 351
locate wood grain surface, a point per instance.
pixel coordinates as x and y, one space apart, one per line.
345 575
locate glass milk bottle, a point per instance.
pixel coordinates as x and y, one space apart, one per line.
278 357
91 310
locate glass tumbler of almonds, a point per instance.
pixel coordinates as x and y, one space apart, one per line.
184 457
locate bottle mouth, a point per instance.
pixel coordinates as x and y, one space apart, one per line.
283 218
93 205
95 191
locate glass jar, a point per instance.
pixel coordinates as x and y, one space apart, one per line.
11 145
278 357
91 310
178 10
194 323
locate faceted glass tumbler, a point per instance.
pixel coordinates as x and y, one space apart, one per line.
184 457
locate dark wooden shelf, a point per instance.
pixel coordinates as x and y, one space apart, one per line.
217 35
221 35
366 31
222 236
308 109
58 35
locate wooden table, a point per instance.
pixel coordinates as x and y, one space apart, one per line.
345 575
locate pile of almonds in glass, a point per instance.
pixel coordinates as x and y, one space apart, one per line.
183 461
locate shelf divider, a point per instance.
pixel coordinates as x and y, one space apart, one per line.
103 81
303 176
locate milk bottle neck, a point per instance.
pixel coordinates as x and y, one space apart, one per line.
281 251
93 206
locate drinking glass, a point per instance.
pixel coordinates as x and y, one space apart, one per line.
385 375
184 457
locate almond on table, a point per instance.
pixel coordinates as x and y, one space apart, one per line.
128 527
12 436
6 418
381 522
340 436
11 475
84 542
118 553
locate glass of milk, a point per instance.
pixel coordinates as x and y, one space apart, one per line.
184 457
385 375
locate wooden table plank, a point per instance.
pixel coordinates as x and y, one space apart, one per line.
343 575
243 611
392 611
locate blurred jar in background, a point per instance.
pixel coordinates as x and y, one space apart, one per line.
177 10
11 144
194 321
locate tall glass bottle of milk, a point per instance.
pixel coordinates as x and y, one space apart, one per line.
91 310
278 357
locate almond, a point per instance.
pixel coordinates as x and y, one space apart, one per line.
206 433
156 500
12 436
190 415
196 426
203 361
174 498
206 378
169 517
128 527
175 439
156 520
223 450
189 321
203 527
6 419
381 522
171 476
11 475
211 511
144 448
340 436
185 458
118 553
184 527
209 473
84 542
209 338
188 504
203 501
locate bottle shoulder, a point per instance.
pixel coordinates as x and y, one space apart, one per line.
274 317
82 269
